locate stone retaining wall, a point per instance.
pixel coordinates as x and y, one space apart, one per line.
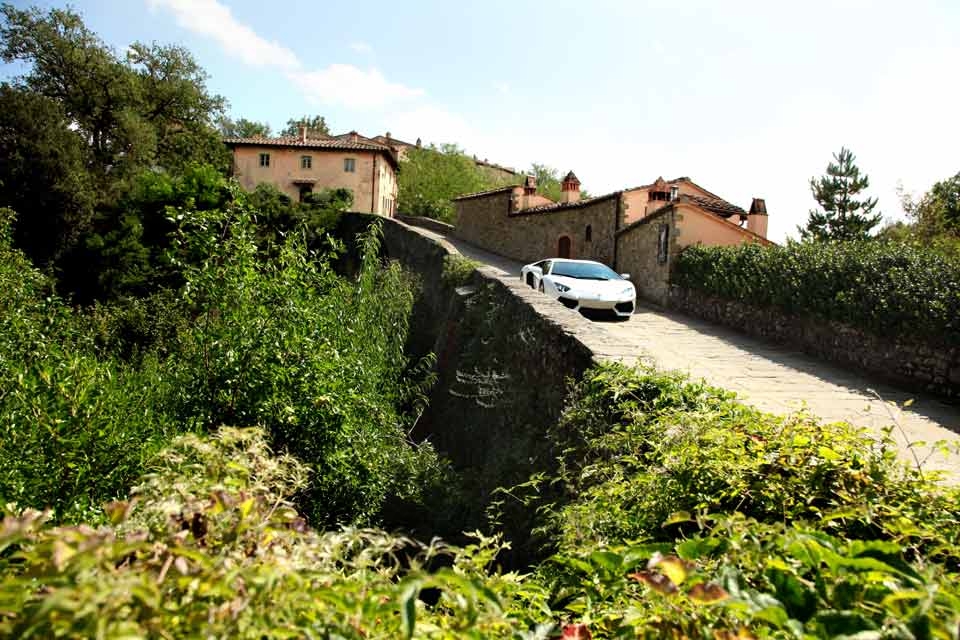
911 364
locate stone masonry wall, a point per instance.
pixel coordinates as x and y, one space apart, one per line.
913 365
505 357
487 222
637 255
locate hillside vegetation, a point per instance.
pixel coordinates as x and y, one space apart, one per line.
206 413
676 512
280 341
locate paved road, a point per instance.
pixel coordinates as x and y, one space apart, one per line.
773 378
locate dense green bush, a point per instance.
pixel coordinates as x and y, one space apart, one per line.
211 546
885 288
74 427
316 359
679 511
257 335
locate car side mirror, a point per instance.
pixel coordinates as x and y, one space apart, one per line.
625 276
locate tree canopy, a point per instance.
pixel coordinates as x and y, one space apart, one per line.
315 125
243 128
843 216
937 212
83 129
430 177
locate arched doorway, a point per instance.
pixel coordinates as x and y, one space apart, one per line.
563 247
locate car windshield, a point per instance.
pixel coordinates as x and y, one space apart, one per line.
584 271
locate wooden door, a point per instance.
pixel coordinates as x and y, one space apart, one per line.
563 247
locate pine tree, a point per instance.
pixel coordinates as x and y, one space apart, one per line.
843 216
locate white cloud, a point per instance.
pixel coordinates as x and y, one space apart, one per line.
214 20
502 88
350 86
337 84
362 47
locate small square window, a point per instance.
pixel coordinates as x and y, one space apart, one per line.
306 162
264 159
349 165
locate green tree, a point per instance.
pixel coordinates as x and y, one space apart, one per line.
430 177
316 125
174 103
548 181
243 128
937 212
43 175
83 126
843 215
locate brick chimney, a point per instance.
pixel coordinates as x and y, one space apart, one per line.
303 132
757 218
570 188
529 190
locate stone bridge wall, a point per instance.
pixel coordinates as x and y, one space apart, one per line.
505 358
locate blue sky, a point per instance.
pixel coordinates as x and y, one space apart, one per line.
747 98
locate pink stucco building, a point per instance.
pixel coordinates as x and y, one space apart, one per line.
638 230
298 165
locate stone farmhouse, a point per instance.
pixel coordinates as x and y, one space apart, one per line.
299 164
638 230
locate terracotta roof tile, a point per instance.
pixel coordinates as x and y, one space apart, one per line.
309 143
718 206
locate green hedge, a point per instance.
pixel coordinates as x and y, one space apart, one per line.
888 289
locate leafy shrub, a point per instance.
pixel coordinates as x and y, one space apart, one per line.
677 511
280 342
316 359
74 428
210 545
457 270
889 289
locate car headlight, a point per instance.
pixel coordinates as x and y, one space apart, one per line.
562 288
628 291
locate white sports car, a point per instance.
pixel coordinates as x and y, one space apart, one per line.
582 284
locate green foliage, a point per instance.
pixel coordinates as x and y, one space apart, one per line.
124 254
256 335
287 344
888 289
43 175
431 177
843 216
80 128
316 126
458 270
74 426
935 216
782 528
242 128
210 545
549 182
679 512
